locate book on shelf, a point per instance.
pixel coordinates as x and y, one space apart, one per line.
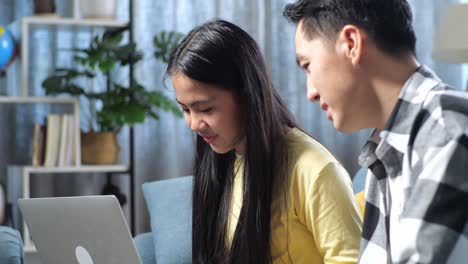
70 149
67 136
38 145
54 142
62 151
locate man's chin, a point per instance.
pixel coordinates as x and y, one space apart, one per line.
344 127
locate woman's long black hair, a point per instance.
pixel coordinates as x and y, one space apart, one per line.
223 54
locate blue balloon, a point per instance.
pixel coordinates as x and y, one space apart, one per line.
7 47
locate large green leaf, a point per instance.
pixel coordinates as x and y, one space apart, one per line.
165 43
159 100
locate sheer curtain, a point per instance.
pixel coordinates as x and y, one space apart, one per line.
164 148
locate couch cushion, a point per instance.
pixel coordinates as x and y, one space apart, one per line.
359 180
11 246
170 206
145 247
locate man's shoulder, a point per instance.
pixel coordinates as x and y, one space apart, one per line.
447 98
442 117
447 108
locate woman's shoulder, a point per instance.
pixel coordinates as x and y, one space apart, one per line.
304 148
308 158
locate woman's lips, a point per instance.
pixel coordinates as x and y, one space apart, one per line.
209 139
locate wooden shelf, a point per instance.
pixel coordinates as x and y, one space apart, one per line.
61 21
33 99
75 169
27 23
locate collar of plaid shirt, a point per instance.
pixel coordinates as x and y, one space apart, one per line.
396 133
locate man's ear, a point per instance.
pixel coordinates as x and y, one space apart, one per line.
350 43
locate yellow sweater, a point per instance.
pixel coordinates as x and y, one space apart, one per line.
314 216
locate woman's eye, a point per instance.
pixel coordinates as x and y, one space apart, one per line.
185 110
305 66
206 110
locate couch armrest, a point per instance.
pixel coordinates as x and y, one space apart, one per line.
145 247
11 246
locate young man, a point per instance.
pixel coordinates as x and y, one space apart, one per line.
359 57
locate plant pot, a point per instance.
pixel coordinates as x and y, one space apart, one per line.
99 148
98 8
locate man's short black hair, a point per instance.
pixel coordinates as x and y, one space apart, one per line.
387 22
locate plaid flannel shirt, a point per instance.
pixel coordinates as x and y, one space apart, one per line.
417 182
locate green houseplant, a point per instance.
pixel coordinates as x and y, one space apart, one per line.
119 104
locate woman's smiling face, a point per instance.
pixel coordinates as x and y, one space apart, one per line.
212 112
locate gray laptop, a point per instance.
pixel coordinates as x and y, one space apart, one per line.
82 229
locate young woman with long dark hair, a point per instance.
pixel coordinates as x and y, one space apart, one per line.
264 191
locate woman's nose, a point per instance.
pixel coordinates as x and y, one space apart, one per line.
196 123
313 95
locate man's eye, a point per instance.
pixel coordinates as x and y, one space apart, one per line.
305 66
185 110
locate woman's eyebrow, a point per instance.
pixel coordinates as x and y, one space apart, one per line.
195 103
